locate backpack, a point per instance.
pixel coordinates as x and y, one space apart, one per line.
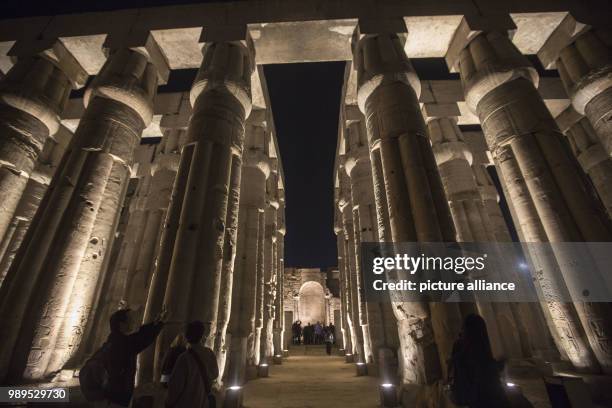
93 377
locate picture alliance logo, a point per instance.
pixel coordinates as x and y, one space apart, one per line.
425 263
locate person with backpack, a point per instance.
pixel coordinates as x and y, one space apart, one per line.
474 375
191 381
329 341
122 348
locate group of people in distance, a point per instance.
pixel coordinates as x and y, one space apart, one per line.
314 334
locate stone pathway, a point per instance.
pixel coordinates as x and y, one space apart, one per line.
311 379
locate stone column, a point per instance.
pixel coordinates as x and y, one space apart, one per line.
32 96
380 323
549 198
587 148
221 100
37 185
388 91
255 171
52 271
583 57
279 318
266 345
345 206
472 224
344 289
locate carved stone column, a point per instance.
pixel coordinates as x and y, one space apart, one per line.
221 100
345 205
587 148
380 323
549 198
32 96
279 318
583 57
49 161
345 327
388 91
270 265
255 171
47 305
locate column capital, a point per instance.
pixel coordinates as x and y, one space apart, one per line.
566 32
379 57
53 50
440 110
232 50
143 42
446 137
129 78
469 28
179 119
255 153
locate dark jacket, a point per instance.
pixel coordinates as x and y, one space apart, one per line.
122 362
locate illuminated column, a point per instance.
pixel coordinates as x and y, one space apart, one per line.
59 268
583 56
279 318
32 96
344 288
379 324
590 153
221 100
472 224
229 259
266 345
549 198
387 93
255 171
36 187
345 206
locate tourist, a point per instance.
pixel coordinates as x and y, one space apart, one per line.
191 381
318 331
178 347
308 333
123 350
474 374
329 340
332 328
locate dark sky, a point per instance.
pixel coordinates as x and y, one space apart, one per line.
305 102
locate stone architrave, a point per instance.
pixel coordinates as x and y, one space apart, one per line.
387 94
45 311
550 200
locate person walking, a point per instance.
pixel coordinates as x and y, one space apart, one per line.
329 341
191 381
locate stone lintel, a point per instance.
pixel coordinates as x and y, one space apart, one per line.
258 117
179 118
223 33
367 26
568 118
144 42
470 27
54 50
440 110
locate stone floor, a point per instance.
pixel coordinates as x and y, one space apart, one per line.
309 379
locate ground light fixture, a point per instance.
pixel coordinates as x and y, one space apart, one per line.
233 397
277 359
262 370
388 395
361 369
348 358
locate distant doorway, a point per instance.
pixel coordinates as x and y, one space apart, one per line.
311 303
